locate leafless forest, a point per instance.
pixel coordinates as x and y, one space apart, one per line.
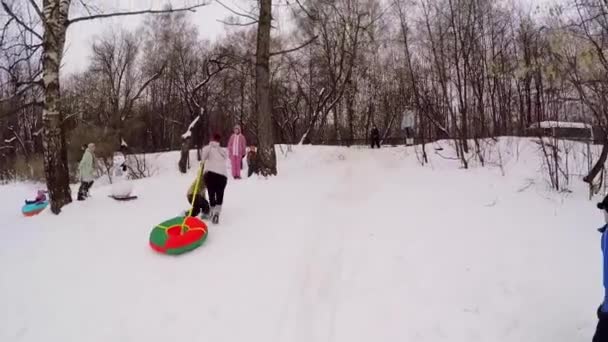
464 70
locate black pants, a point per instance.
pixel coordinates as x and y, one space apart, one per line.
216 184
601 332
252 166
83 191
200 204
376 142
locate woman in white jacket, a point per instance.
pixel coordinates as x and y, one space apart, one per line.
215 175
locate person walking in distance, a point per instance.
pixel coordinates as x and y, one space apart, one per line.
237 146
215 175
86 169
375 137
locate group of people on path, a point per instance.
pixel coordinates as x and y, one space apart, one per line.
215 175
214 172
214 159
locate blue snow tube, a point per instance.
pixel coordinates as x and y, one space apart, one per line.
34 208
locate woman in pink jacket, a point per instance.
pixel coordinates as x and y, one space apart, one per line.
236 151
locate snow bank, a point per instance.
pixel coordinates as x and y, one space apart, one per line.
344 245
560 124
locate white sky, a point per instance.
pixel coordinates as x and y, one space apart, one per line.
81 35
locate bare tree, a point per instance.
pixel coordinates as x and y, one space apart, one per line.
588 69
266 152
114 59
54 21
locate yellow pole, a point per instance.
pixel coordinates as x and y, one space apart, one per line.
198 183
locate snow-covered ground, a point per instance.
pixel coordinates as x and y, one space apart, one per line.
344 245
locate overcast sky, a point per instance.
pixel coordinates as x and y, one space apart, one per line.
81 35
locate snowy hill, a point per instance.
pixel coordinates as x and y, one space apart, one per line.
344 245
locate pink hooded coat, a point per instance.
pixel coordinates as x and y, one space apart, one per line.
237 145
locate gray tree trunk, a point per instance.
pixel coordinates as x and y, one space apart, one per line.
55 151
266 153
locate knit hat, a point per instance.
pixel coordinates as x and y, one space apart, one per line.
603 205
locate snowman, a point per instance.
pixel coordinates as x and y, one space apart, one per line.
121 186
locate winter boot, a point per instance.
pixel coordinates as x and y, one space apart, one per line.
82 191
215 217
87 190
205 216
601 332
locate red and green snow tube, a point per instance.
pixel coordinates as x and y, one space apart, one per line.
178 235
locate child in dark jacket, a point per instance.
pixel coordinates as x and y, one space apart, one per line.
252 161
601 332
40 197
375 137
200 204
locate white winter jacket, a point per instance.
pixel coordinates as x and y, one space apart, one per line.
215 157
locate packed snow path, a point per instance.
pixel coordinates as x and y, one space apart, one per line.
345 245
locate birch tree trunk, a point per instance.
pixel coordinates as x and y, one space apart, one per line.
266 153
55 151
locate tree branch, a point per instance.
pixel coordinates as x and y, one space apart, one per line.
69 116
122 14
6 147
21 107
237 13
237 24
20 92
4 30
88 7
295 48
37 9
10 128
16 18
145 85
204 82
308 13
